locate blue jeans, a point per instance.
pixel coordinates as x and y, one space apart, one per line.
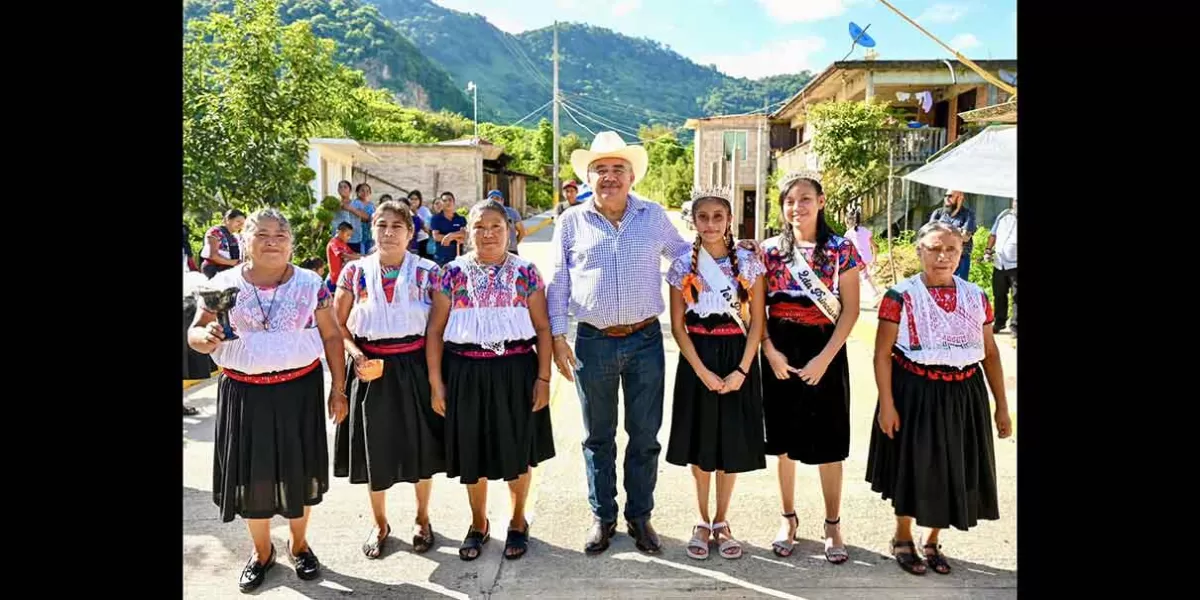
638 363
963 271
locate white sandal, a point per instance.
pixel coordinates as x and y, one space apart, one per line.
697 548
729 547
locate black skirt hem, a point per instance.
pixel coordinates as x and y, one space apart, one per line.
492 432
391 434
808 424
271 448
940 469
717 432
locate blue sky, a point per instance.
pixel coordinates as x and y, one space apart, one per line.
756 38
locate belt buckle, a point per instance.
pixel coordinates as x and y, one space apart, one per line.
620 331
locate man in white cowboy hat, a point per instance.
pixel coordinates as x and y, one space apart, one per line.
607 253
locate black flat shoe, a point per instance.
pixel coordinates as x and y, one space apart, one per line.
254 574
644 536
598 537
306 563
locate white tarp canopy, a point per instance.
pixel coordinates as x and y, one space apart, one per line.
985 164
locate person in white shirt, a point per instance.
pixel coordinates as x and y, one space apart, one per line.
1002 251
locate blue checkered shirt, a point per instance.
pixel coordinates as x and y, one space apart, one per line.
609 276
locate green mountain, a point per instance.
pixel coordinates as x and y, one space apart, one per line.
368 42
608 80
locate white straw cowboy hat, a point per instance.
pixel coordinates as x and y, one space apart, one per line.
608 144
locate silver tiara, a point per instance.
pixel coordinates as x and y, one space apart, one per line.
712 192
787 180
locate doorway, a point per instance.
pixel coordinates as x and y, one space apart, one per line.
746 230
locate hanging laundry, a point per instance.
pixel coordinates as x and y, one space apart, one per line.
903 96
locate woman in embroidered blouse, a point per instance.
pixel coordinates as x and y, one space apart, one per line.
716 414
812 304
932 452
270 453
489 351
221 247
392 434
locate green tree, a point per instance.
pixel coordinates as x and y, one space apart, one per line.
254 91
851 138
566 145
669 177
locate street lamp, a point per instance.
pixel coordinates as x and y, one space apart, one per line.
475 94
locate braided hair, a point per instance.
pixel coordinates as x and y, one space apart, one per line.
743 293
787 239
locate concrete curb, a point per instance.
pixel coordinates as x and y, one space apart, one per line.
187 383
539 226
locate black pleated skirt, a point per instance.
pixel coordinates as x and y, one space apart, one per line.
271 456
716 431
195 365
491 430
808 423
941 467
392 435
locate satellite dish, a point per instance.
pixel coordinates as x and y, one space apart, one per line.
1009 78
858 35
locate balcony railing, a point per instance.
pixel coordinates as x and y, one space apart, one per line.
910 146
917 145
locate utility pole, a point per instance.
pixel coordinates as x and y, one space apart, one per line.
760 216
475 94
555 99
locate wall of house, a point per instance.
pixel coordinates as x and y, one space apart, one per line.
431 169
336 167
714 171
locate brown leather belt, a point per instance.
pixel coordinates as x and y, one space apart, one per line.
620 331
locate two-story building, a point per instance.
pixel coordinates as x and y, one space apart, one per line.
928 94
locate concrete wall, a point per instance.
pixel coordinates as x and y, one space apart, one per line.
431 169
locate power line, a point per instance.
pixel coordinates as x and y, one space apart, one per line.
601 123
535 111
595 118
527 64
567 109
624 107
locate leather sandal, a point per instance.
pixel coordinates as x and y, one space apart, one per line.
474 541
936 559
785 541
517 540
834 554
422 538
729 548
909 561
374 546
697 547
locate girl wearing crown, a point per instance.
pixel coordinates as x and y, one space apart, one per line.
716 418
812 300
932 452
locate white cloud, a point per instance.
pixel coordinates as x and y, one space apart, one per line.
505 23
964 41
794 11
942 13
566 4
790 56
624 7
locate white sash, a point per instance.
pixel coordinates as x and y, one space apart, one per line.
814 288
718 282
